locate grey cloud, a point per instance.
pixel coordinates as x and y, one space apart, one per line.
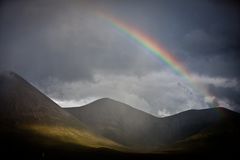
228 95
154 93
71 53
216 81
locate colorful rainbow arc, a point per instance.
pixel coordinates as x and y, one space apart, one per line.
157 50
150 44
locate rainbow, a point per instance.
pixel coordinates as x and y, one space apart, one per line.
157 50
150 44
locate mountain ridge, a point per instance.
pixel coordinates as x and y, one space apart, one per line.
220 109
166 130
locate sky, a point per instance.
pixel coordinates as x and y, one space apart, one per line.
75 56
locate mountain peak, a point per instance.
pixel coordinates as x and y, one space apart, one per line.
9 81
108 104
28 100
216 110
7 77
9 74
107 100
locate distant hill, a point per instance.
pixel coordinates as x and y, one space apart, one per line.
137 129
119 122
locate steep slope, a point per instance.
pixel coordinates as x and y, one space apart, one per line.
139 130
26 111
22 103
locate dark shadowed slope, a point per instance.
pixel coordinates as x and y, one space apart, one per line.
211 130
139 130
22 103
119 122
28 114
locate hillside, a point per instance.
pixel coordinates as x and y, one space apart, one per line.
119 122
142 131
27 114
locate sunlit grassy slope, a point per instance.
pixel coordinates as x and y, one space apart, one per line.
25 110
72 135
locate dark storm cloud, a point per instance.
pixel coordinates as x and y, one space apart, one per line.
54 43
232 3
46 34
25 26
41 40
216 43
204 35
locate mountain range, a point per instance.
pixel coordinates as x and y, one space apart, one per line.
33 126
143 132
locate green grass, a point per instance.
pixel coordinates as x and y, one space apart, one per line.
74 136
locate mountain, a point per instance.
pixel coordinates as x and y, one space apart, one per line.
119 122
33 126
29 117
141 131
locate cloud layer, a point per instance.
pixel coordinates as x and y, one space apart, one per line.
158 93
